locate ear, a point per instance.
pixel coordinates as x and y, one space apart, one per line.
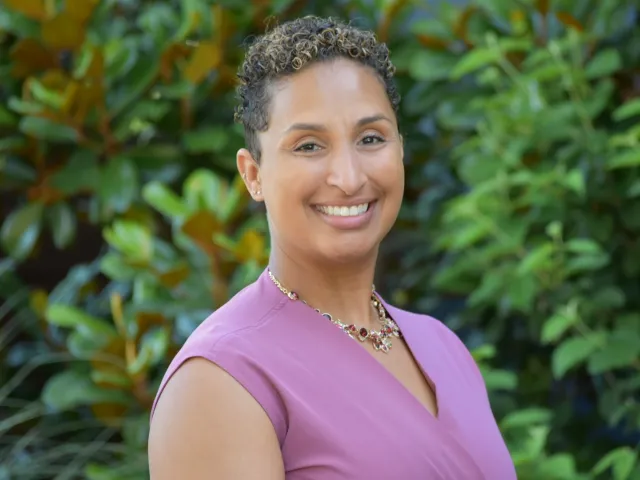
250 172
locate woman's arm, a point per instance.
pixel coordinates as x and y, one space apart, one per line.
207 426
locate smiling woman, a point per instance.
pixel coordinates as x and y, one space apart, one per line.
308 373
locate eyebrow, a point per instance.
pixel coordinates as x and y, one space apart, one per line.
315 127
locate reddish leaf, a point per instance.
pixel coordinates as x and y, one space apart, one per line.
462 23
29 57
206 57
34 9
542 6
569 20
200 227
63 32
173 54
146 321
174 277
251 247
431 42
80 10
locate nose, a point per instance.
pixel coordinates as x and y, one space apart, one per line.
346 172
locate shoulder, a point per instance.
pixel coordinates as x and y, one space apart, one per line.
207 424
235 339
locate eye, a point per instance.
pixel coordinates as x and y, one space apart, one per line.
308 147
372 140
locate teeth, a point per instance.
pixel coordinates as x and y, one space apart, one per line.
344 211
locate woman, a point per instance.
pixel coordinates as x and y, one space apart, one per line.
270 388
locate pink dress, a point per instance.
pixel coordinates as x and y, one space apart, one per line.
338 413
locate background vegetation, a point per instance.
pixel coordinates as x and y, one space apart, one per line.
123 223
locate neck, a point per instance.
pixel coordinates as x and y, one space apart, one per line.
344 291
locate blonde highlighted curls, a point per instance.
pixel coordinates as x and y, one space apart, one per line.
290 47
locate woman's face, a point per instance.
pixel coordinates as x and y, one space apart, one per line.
331 173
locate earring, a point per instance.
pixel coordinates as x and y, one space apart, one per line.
258 192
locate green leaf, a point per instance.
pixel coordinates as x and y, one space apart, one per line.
154 347
556 326
70 389
526 418
521 291
7 118
561 466
583 246
24 107
21 229
45 129
115 267
16 172
204 190
574 179
629 109
130 238
499 380
431 65
42 94
80 173
604 63
469 235
618 352
84 347
473 60
112 378
483 352
575 351
627 159
83 323
160 197
621 459
207 139
134 84
118 184
63 223
586 263
12 143
537 259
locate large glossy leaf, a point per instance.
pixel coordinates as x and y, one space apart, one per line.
604 63
71 389
83 323
49 130
621 460
63 223
21 229
118 184
574 351
130 238
160 197
79 173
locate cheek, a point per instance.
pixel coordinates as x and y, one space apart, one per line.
389 174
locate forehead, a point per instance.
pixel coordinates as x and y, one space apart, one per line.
327 91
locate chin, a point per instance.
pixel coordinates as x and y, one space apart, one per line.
348 252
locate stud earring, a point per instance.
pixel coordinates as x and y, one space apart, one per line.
258 192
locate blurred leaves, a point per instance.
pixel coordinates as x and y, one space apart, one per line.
519 227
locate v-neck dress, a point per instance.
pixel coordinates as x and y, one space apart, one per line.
338 412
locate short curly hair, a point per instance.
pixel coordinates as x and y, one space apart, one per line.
290 47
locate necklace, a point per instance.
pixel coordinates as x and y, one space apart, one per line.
381 339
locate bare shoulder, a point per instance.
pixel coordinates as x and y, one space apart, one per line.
206 425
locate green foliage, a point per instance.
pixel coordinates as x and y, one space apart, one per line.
520 228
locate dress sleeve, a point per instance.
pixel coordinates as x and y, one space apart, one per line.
232 354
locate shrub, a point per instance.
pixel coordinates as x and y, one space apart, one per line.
124 223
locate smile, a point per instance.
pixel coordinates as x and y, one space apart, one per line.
343 211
